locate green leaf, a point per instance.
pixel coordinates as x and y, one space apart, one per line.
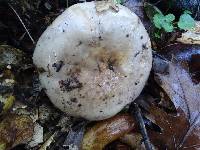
118 1
158 20
168 27
186 22
187 12
8 103
169 17
2 146
164 22
157 35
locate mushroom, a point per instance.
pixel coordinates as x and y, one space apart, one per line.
93 63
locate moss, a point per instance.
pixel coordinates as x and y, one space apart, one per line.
2 146
7 103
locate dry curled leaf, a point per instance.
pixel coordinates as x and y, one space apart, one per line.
105 132
14 130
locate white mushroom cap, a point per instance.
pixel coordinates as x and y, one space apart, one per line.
105 56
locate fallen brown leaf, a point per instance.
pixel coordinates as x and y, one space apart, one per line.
183 129
174 130
14 130
134 140
107 131
182 91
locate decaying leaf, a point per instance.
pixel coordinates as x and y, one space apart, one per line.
106 131
37 136
137 6
180 130
10 56
182 91
174 131
188 54
151 10
192 36
47 114
75 136
105 5
134 140
14 130
7 81
194 66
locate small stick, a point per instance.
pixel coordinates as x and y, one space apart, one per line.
22 23
67 3
138 116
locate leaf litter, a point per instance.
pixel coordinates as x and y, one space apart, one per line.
180 130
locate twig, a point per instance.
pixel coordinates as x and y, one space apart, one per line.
160 56
67 3
135 110
48 142
22 23
157 2
193 146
